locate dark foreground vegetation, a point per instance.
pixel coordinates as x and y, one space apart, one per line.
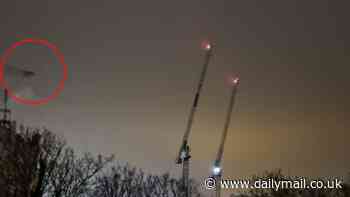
38 163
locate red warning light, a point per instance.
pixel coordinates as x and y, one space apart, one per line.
231 80
206 45
235 80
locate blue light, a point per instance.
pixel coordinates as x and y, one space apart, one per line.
216 170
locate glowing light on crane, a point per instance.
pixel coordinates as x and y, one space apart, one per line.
235 80
206 45
216 170
184 152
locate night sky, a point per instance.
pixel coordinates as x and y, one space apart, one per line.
134 66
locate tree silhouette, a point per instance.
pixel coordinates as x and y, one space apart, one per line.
126 181
19 154
37 163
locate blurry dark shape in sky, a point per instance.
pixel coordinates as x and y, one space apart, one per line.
133 67
30 59
17 72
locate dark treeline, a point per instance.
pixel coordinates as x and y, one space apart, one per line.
37 163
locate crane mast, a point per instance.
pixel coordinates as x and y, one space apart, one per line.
217 170
184 152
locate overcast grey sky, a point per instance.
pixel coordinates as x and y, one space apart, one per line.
133 67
